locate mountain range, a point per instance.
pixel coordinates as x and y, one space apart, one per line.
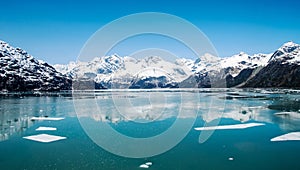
22 72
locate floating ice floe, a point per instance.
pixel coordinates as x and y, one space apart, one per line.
45 138
45 128
146 165
287 137
236 126
47 118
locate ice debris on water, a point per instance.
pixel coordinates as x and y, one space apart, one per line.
42 128
236 126
146 165
47 118
293 136
45 138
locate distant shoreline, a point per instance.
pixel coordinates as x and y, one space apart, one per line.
70 93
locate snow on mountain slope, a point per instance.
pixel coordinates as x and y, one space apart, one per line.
204 63
282 70
242 61
65 69
287 53
235 63
111 69
153 66
21 71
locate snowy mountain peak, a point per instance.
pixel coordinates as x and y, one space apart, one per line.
19 71
242 61
140 71
287 53
207 58
289 47
152 59
242 53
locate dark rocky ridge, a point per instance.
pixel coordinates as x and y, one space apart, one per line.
276 74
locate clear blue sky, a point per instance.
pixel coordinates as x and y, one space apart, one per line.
56 30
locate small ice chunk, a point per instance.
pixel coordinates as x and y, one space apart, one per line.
47 118
45 128
287 137
45 138
144 166
236 126
230 159
148 163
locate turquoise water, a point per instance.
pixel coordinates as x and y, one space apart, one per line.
150 114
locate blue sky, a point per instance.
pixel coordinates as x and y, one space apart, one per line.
55 30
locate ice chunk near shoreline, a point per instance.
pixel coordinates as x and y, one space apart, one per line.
47 118
46 128
224 127
45 138
287 137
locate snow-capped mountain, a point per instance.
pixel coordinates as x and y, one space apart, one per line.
21 72
127 72
242 61
288 53
282 70
150 72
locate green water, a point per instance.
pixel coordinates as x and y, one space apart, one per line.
250 148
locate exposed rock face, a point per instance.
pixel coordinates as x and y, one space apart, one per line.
240 78
21 72
283 69
276 74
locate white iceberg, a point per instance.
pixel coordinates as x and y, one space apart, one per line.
287 137
45 138
148 163
45 128
224 127
47 118
144 166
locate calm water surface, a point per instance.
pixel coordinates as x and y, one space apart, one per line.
150 113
